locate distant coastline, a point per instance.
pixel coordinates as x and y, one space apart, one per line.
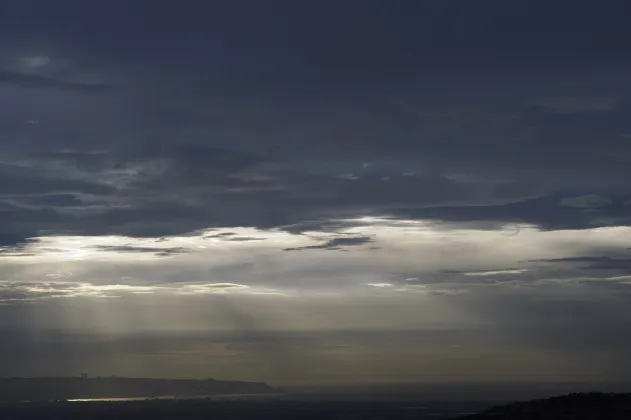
84 388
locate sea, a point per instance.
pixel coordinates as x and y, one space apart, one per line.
342 406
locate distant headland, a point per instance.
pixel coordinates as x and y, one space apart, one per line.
84 387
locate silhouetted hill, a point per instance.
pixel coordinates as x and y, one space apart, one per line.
45 389
587 406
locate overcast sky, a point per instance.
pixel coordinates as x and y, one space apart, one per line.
316 192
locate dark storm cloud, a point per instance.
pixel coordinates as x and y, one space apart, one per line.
16 244
586 201
336 243
42 82
604 268
544 212
187 189
161 252
594 263
604 273
28 180
219 235
13 239
244 239
250 114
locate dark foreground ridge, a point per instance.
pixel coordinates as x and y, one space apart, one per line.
47 389
586 406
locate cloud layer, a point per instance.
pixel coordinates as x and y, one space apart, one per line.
459 157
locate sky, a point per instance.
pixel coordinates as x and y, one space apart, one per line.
316 192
